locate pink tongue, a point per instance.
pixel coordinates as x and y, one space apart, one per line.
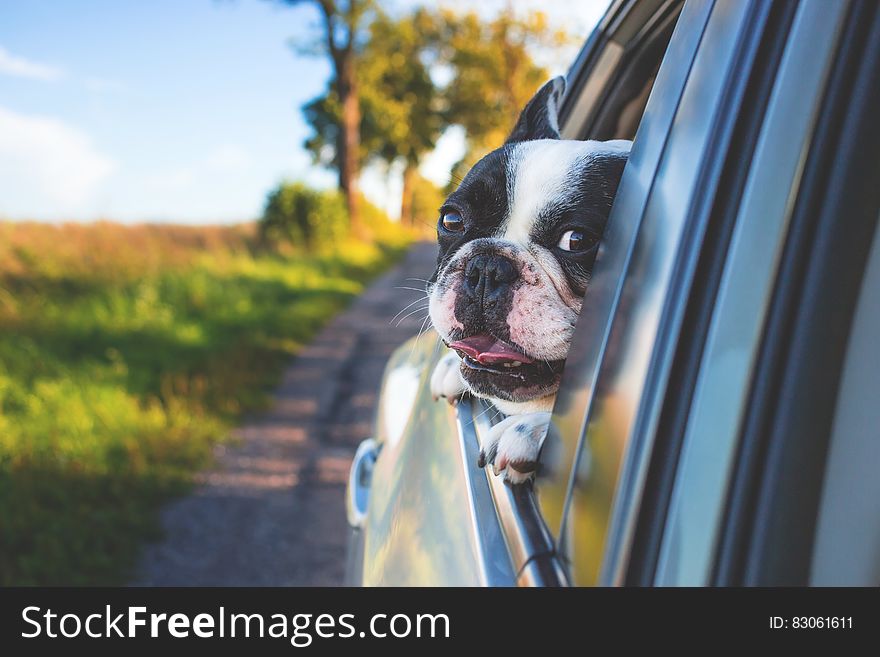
487 350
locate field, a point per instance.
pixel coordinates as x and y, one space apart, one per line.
125 354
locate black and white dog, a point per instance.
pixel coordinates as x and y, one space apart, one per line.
518 239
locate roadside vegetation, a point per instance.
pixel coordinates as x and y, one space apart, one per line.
126 354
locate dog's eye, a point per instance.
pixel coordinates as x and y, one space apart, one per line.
574 240
452 222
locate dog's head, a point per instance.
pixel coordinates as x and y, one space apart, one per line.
518 239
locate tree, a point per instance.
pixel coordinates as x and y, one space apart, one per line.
303 217
493 72
401 117
402 110
400 98
343 26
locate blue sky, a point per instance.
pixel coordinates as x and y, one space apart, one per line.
169 110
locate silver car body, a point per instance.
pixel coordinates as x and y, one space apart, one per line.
423 513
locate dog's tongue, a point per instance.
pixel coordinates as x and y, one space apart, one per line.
487 350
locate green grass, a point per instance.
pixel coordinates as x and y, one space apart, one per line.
125 354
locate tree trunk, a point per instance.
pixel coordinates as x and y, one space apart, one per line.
349 143
406 199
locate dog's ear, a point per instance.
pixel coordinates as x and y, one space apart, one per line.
540 117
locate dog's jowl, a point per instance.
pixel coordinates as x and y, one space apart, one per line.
518 240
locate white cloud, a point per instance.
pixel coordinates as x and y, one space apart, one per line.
47 167
24 68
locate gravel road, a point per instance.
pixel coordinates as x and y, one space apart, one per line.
271 513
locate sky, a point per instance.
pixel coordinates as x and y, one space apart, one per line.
184 111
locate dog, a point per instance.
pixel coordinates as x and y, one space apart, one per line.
518 239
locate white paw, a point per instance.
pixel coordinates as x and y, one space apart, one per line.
514 444
446 379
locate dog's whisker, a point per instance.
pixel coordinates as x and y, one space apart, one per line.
409 305
410 314
429 285
414 289
425 327
488 408
427 282
421 330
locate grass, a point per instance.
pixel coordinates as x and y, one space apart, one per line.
126 353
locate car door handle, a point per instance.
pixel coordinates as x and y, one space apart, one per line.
359 478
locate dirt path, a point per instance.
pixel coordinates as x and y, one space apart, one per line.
271 513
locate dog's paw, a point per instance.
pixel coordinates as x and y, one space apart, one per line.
446 379
514 444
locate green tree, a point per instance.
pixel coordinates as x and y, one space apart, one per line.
343 27
494 73
402 110
400 107
402 104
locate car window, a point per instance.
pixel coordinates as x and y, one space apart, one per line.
670 195
778 526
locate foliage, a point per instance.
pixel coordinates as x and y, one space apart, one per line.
343 23
125 354
422 72
299 216
303 217
494 73
401 105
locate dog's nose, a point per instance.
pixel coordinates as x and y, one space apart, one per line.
487 277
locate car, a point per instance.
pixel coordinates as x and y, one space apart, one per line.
718 420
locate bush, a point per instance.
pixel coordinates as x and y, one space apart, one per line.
303 217
312 220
